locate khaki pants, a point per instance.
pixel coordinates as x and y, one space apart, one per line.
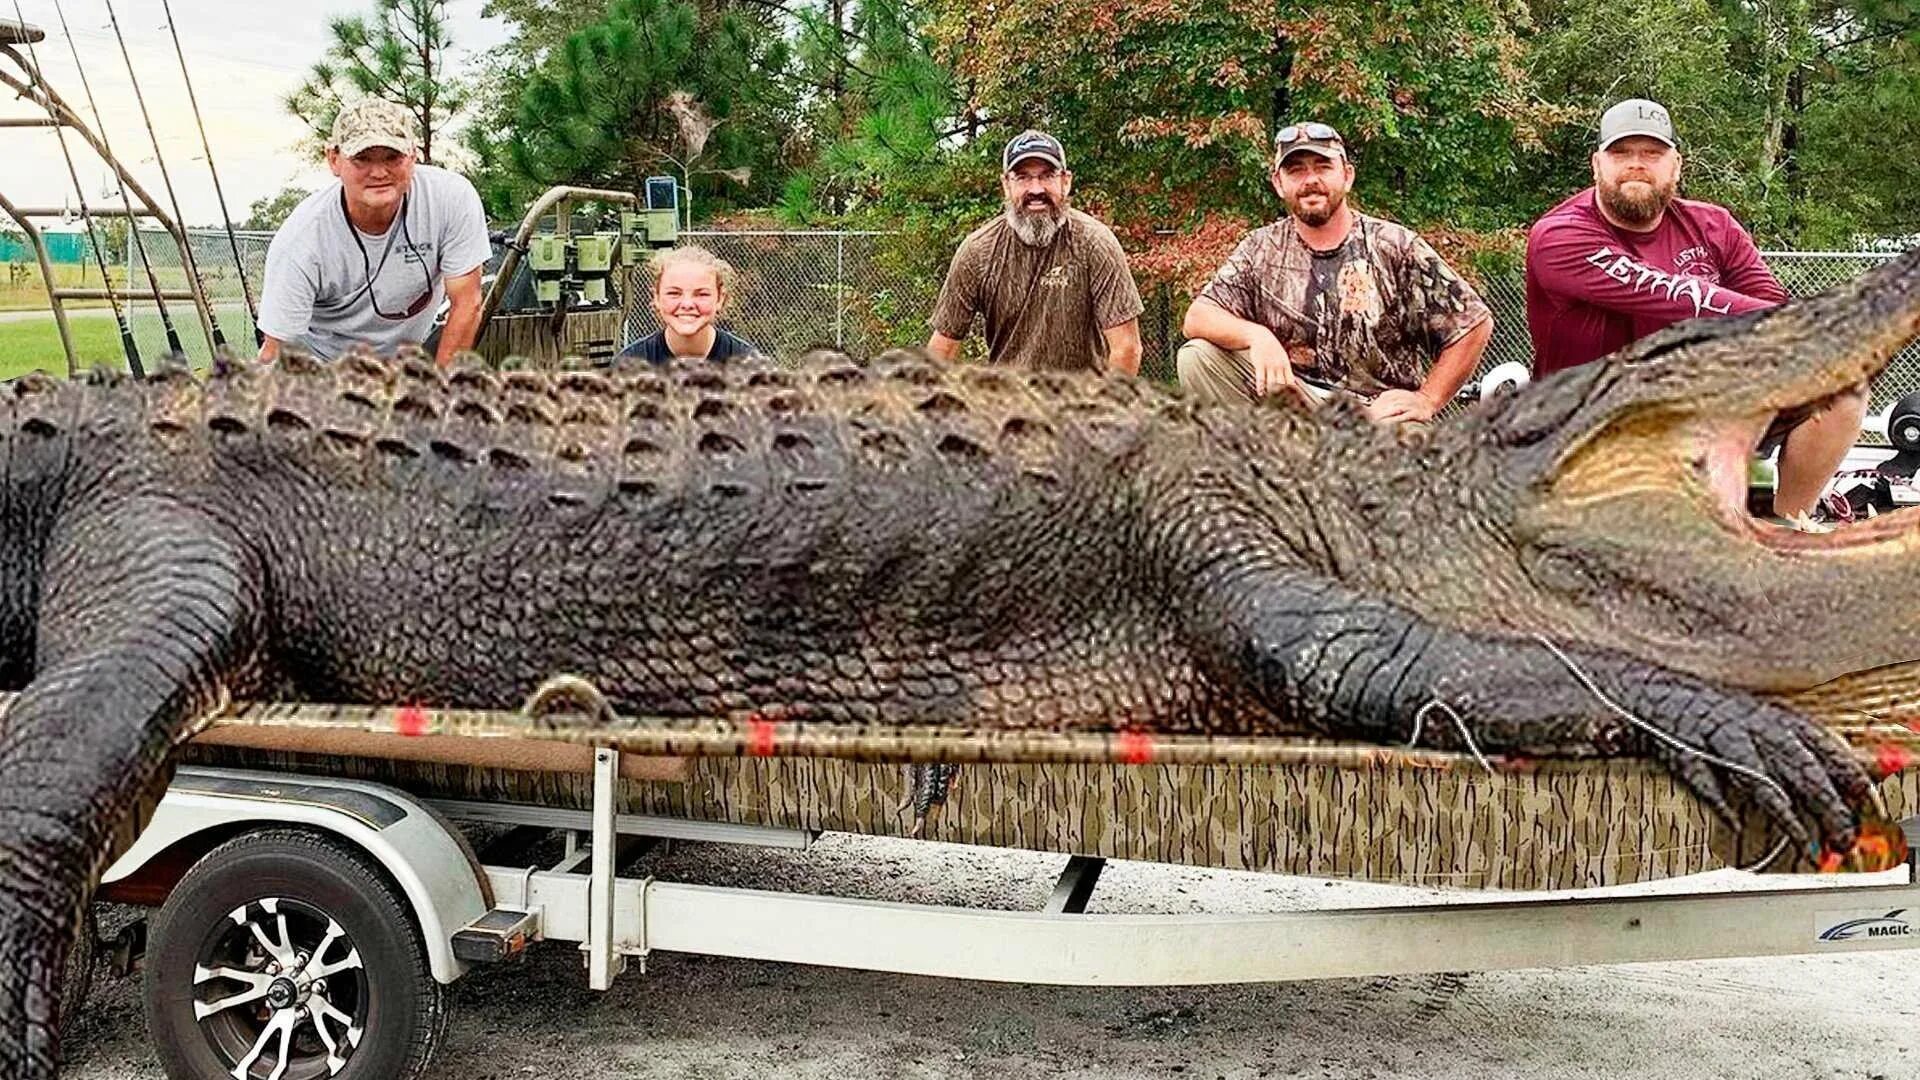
1220 376
1217 376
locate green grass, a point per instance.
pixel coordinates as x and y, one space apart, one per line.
22 290
31 344
35 343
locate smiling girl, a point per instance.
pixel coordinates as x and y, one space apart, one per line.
689 291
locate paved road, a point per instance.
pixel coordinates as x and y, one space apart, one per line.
1827 1018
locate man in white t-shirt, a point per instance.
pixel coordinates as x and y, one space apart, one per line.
368 259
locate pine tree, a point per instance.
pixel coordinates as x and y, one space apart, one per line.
398 51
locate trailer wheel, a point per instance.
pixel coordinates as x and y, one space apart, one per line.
289 954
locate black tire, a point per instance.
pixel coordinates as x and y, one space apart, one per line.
227 913
1903 423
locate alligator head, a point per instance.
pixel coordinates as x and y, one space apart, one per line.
1618 495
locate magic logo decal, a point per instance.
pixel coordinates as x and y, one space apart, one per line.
1838 926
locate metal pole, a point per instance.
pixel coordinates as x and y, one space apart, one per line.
226 219
128 347
839 287
208 322
133 225
602 963
32 232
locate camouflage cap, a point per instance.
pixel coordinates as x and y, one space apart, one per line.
372 121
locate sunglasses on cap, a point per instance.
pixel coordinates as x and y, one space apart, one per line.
1297 133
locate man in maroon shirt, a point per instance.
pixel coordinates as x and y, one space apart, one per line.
1625 258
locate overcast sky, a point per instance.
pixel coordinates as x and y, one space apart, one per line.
244 57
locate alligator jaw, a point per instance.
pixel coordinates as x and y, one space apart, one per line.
1680 414
1634 522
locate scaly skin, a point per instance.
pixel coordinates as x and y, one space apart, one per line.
916 544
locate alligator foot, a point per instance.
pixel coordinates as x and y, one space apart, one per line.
927 789
1356 667
1784 763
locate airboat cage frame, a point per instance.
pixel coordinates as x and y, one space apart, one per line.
21 72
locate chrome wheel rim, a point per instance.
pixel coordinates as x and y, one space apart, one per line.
280 992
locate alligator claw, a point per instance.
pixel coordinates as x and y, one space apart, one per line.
1791 768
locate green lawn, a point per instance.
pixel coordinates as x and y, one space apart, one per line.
28 344
35 343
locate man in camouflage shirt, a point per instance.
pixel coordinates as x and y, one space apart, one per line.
1329 300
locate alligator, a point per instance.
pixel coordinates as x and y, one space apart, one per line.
1566 571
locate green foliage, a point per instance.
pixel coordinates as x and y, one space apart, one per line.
268 211
655 86
882 108
1467 118
1796 114
398 51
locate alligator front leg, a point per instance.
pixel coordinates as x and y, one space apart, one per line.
137 630
1361 668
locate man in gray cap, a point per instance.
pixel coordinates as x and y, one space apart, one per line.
1328 300
368 259
1627 256
1052 282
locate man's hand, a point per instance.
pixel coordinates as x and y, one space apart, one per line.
1273 369
1400 407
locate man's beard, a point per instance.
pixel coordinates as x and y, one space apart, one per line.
1640 208
1313 219
1037 226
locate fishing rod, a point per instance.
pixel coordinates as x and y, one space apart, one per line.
128 346
216 339
226 219
126 200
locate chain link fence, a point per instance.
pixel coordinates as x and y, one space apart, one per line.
863 292
220 280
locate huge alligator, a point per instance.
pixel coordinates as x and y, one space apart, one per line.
1564 572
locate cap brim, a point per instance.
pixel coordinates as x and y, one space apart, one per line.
354 147
1617 136
1044 155
1331 153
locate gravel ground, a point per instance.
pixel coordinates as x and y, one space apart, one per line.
693 1017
